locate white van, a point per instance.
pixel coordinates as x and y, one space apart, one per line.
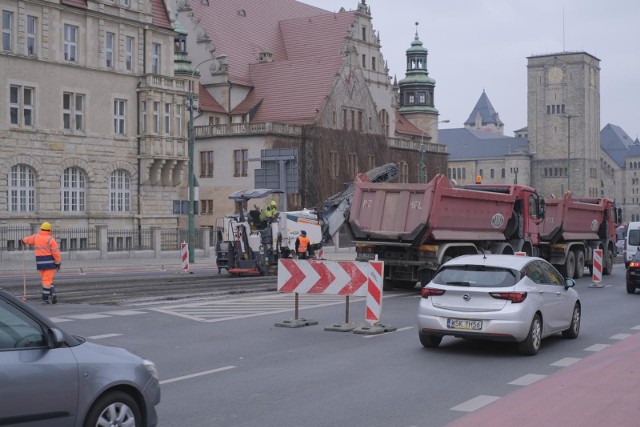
632 242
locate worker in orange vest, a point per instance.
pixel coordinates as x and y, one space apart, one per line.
47 260
302 245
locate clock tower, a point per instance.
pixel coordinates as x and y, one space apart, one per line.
563 111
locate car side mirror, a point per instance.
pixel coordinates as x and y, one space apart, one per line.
569 283
55 338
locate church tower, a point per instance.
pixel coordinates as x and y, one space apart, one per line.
563 110
417 90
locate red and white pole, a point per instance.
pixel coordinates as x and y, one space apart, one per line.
184 254
597 268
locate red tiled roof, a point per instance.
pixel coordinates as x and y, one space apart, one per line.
241 29
322 35
285 90
208 103
405 127
160 15
82 4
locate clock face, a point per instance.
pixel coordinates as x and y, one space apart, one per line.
555 75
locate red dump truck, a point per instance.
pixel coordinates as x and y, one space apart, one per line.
414 228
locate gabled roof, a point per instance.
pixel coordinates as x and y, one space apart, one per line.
160 15
487 112
322 35
405 127
242 29
465 144
285 91
617 144
208 103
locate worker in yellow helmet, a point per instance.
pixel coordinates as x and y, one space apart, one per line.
269 212
48 261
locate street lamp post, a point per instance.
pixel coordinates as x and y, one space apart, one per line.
192 229
569 117
422 154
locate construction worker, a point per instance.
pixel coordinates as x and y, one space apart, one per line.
269 212
479 179
302 245
47 260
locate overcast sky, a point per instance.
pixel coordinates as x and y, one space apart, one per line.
484 44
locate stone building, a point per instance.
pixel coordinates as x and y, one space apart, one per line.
94 129
284 75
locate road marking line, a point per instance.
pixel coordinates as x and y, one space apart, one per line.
527 379
197 374
390 332
567 361
636 327
100 337
60 319
125 312
88 316
597 347
620 336
475 403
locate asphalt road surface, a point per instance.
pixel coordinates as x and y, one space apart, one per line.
223 362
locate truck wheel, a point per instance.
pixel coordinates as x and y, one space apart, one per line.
429 341
569 267
579 264
607 268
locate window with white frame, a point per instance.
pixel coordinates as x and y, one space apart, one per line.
70 43
155 58
21 105
119 114
73 111
120 191
7 29
241 162
32 35
179 120
108 49
167 119
73 191
22 189
156 117
130 46
143 109
206 164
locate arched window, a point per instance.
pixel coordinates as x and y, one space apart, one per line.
120 191
73 190
22 189
492 173
384 121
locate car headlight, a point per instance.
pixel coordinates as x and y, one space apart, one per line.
151 367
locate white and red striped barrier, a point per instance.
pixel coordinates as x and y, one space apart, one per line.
184 254
597 266
323 277
374 292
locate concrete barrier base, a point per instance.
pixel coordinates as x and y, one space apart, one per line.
375 329
296 323
341 327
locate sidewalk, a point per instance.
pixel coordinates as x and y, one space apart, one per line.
123 262
599 390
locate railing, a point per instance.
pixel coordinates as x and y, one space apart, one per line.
247 129
11 237
171 239
76 239
128 240
412 144
163 82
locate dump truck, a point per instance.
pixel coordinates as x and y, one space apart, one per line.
414 228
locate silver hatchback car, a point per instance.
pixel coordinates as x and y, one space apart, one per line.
50 378
501 298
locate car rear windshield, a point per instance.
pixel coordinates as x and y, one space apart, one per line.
475 275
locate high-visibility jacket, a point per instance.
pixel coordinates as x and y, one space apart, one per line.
268 213
302 244
46 249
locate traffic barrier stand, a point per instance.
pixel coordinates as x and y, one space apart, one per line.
296 322
597 269
184 254
322 277
374 303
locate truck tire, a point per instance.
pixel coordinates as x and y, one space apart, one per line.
579 264
569 267
607 268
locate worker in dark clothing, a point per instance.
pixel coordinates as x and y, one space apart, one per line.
302 245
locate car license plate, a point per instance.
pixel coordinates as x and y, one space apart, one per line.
473 325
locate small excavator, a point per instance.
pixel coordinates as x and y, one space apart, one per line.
246 246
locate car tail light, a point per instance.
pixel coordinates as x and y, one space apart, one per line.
427 292
634 264
514 297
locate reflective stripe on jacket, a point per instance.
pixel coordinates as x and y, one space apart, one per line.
46 250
